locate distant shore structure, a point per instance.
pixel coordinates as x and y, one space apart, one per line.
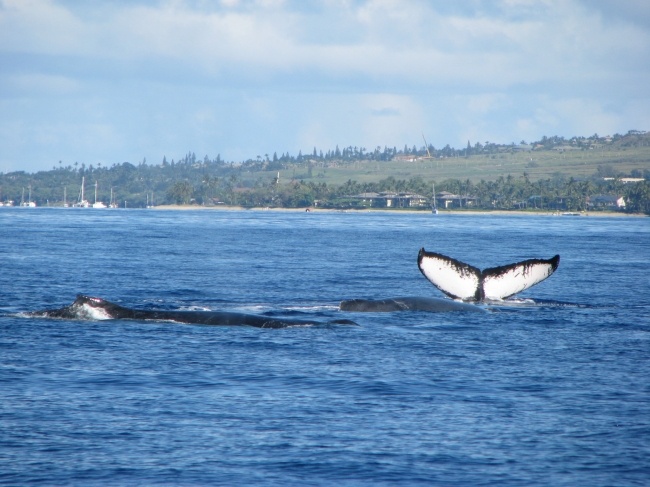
82 202
97 204
29 203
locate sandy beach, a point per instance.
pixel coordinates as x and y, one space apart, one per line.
392 211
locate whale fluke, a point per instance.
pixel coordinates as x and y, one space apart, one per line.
463 281
86 307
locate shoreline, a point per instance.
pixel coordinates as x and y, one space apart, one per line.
393 211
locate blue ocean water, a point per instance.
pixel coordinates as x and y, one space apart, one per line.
553 389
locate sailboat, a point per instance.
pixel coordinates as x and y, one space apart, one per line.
82 202
7 202
29 203
65 197
97 204
112 203
435 206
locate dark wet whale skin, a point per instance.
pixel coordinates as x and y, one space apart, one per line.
406 304
213 318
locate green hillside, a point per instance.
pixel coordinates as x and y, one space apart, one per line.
553 173
536 164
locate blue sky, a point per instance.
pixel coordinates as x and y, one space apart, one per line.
112 81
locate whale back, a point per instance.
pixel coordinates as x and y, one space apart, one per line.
406 304
91 308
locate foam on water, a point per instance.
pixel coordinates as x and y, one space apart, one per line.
314 308
85 311
193 308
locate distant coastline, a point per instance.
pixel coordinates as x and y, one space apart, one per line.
394 211
576 175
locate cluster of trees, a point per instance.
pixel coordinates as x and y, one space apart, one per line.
347 155
134 184
209 181
632 139
504 193
182 183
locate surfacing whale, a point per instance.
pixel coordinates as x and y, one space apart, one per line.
406 304
86 307
463 281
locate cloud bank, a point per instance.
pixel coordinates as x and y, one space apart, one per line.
115 81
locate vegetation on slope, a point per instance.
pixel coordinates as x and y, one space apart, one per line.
551 173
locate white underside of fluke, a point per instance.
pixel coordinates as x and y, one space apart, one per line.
515 279
462 281
453 278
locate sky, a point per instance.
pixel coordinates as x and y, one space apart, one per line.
104 82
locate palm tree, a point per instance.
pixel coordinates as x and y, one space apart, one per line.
180 192
586 188
570 187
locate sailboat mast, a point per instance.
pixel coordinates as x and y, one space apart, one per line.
435 204
426 146
434 196
95 192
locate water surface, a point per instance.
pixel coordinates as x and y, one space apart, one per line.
551 390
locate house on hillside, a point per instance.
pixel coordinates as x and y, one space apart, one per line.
406 158
522 148
564 148
631 180
626 180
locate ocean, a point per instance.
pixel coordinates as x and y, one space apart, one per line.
551 388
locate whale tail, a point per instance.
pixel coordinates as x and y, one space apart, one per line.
463 281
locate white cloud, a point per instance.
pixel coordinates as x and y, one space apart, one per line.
41 26
317 73
391 38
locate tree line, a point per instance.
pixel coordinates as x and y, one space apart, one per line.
191 180
505 193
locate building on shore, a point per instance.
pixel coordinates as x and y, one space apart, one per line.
606 201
